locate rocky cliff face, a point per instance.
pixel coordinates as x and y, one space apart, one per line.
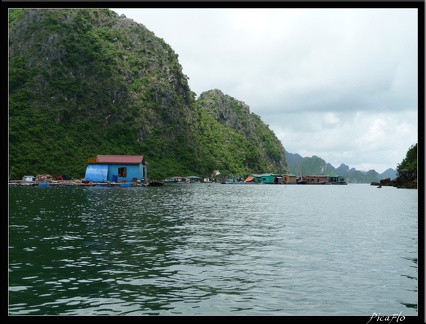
84 82
406 179
236 115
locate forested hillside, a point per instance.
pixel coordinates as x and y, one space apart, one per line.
243 132
84 82
410 160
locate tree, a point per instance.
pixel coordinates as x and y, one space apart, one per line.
410 160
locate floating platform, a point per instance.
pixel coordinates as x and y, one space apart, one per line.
73 183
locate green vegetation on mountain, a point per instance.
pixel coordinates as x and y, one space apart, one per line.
84 82
407 172
258 149
410 160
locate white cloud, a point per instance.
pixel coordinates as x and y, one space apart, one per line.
340 84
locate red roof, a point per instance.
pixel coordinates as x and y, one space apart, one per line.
119 159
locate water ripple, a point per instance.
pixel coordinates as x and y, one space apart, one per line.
213 250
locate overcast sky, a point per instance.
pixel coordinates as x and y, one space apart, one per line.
340 84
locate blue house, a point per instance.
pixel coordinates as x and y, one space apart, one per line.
116 168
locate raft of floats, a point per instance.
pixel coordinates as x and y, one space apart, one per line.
66 183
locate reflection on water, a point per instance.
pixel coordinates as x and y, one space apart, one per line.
212 249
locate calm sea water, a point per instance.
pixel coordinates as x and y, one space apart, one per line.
213 249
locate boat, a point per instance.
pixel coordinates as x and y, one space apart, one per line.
313 180
321 180
300 179
336 180
155 184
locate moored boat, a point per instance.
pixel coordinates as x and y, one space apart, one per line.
155 183
336 180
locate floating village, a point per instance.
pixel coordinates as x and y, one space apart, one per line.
131 171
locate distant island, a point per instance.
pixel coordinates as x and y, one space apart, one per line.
315 165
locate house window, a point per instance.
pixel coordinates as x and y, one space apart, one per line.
122 172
